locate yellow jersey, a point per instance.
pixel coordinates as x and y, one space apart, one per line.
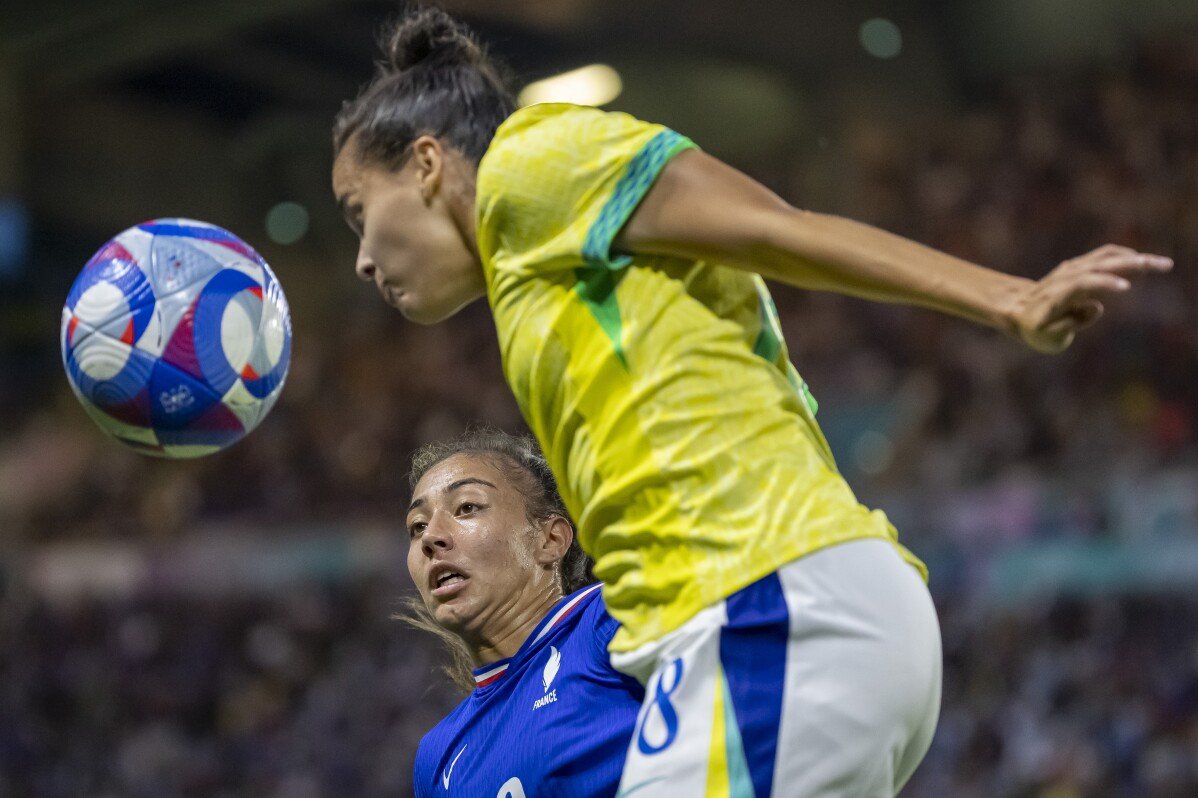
684 442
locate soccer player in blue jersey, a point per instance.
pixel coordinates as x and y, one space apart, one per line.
499 571
786 639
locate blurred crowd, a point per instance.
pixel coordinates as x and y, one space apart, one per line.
967 440
317 692
1073 699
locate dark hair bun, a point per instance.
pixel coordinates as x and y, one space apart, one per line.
429 37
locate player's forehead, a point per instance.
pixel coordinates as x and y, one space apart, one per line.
347 174
459 472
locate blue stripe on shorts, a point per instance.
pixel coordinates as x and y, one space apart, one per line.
753 653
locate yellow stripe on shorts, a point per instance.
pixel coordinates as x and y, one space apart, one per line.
727 768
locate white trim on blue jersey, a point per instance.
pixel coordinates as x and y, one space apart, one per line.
489 673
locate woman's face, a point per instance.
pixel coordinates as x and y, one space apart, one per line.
475 557
415 228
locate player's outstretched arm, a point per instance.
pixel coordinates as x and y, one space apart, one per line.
703 209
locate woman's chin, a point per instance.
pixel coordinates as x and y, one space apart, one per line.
414 310
451 619
422 314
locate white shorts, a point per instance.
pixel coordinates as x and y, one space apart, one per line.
822 679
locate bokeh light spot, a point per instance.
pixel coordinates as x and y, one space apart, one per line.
287 222
881 38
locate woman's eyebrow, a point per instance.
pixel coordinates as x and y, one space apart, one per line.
451 487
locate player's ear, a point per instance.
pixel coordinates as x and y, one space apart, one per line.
428 158
556 536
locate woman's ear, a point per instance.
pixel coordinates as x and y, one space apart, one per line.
556 536
428 158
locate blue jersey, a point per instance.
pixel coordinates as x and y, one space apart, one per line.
553 720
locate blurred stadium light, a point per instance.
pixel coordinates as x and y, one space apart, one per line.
595 84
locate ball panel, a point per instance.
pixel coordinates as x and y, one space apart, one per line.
134 412
104 370
180 351
132 434
137 244
216 426
230 259
248 408
169 312
176 398
175 265
275 328
239 327
209 313
100 302
76 334
272 352
268 383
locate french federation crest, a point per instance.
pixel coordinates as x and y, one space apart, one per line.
551 667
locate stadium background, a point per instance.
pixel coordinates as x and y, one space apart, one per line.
221 627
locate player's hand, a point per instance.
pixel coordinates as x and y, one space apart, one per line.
1068 299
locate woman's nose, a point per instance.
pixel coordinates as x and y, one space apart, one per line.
365 268
436 536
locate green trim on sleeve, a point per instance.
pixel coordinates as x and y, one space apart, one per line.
769 339
597 281
642 170
808 396
769 345
597 289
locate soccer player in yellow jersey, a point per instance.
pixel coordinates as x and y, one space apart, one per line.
786 639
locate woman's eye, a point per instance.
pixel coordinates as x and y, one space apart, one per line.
416 528
468 507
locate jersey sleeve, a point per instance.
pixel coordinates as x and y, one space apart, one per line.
560 181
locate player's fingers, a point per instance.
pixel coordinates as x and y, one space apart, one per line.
1117 259
1132 264
1105 251
1110 249
1087 285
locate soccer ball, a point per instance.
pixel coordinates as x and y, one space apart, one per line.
176 338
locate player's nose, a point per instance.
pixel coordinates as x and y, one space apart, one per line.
364 267
436 536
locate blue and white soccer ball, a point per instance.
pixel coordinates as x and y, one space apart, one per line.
176 338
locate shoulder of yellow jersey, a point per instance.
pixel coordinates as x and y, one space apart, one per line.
552 172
